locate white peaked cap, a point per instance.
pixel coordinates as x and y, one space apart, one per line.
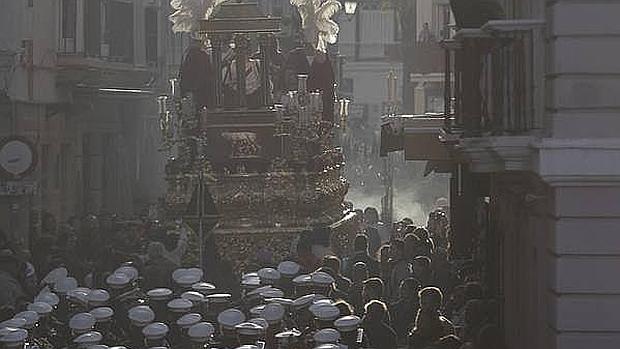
64 285
289 268
259 321
322 279
326 312
13 323
272 293
180 305
201 332
14 336
189 320
187 277
48 297
257 310
249 329
249 346
82 321
302 280
78 295
193 296
328 346
268 275
348 323
230 318
118 280
92 337
55 275
204 287
31 317
141 315
218 298
102 314
131 272
159 294
273 313
287 303
98 297
41 308
327 335
156 330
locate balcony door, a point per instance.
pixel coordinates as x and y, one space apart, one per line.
120 31
92 27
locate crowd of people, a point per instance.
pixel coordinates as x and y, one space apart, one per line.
136 288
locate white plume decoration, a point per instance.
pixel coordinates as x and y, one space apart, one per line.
319 29
187 13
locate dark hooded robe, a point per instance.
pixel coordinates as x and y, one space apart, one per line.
196 75
321 78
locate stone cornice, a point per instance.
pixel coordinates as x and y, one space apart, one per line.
578 162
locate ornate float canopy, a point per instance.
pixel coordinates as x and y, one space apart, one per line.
239 18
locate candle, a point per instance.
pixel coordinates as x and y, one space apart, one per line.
394 87
174 87
316 100
301 82
161 103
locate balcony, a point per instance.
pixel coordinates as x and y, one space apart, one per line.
416 135
494 93
427 58
79 69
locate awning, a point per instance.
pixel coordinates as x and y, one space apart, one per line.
116 92
417 135
391 138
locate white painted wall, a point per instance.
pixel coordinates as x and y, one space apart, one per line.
370 80
580 161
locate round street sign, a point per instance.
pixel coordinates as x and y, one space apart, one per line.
17 157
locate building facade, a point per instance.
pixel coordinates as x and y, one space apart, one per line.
79 80
531 132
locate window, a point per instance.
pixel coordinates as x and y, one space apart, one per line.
27 56
69 22
120 30
30 3
150 30
65 165
57 166
45 153
441 19
92 27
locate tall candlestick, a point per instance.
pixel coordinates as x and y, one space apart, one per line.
394 87
174 87
302 80
161 103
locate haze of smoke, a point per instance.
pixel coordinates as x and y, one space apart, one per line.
414 194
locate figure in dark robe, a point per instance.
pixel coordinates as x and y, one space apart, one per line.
321 78
196 75
295 63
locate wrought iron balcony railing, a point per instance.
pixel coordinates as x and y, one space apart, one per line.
494 79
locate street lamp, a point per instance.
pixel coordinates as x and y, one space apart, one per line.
349 8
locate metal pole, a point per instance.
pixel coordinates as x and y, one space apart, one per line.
200 216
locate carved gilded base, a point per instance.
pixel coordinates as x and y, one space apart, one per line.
343 234
246 249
